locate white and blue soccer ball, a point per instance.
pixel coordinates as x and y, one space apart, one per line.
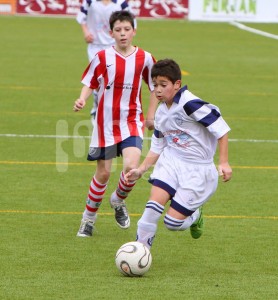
133 259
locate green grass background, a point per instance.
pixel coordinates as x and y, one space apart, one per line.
44 181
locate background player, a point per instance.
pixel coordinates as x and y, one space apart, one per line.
184 142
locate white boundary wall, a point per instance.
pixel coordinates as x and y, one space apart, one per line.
260 11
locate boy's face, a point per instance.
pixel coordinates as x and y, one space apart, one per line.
123 33
164 89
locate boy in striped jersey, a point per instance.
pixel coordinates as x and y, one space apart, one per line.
93 18
116 73
187 131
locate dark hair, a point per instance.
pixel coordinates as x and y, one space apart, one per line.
121 15
167 68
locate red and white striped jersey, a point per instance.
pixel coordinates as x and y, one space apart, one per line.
118 80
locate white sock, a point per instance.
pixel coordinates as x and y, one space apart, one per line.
147 225
177 224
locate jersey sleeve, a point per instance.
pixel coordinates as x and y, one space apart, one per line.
158 142
150 61
208 115
81 17
124 5
92 73
219 128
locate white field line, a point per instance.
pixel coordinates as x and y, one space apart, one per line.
256 31
88 137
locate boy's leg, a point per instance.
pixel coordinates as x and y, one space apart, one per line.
147 225
131 158
194 191
177 221
95 195
117 201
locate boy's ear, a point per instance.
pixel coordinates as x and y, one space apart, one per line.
177 84
111 33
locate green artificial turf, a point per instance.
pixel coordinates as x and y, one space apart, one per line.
45 178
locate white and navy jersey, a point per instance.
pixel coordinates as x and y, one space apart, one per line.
118 80
96 15
189 129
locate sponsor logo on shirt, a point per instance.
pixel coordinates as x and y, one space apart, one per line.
125 86
177 138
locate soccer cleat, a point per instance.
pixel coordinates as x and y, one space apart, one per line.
121 214
86 228
196 229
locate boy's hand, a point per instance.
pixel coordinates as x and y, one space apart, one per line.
149 123
88 38
132 175
79 104
225 171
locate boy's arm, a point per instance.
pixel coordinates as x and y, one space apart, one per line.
224 168
148 162
87 34
82 19
86 92
149 122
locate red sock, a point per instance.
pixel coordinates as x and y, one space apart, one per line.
95 196
123 189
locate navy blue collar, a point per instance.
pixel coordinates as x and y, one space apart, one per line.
178 94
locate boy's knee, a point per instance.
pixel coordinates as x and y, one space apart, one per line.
103 176
130 166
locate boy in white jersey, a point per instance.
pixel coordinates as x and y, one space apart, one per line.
184 142
94 20
117 74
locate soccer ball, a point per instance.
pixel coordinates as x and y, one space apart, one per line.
133 259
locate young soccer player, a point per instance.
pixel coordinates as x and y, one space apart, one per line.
94 20
187 130
117 74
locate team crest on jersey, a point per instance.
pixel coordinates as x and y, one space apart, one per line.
179 121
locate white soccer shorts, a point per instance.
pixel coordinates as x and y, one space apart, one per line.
194 183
